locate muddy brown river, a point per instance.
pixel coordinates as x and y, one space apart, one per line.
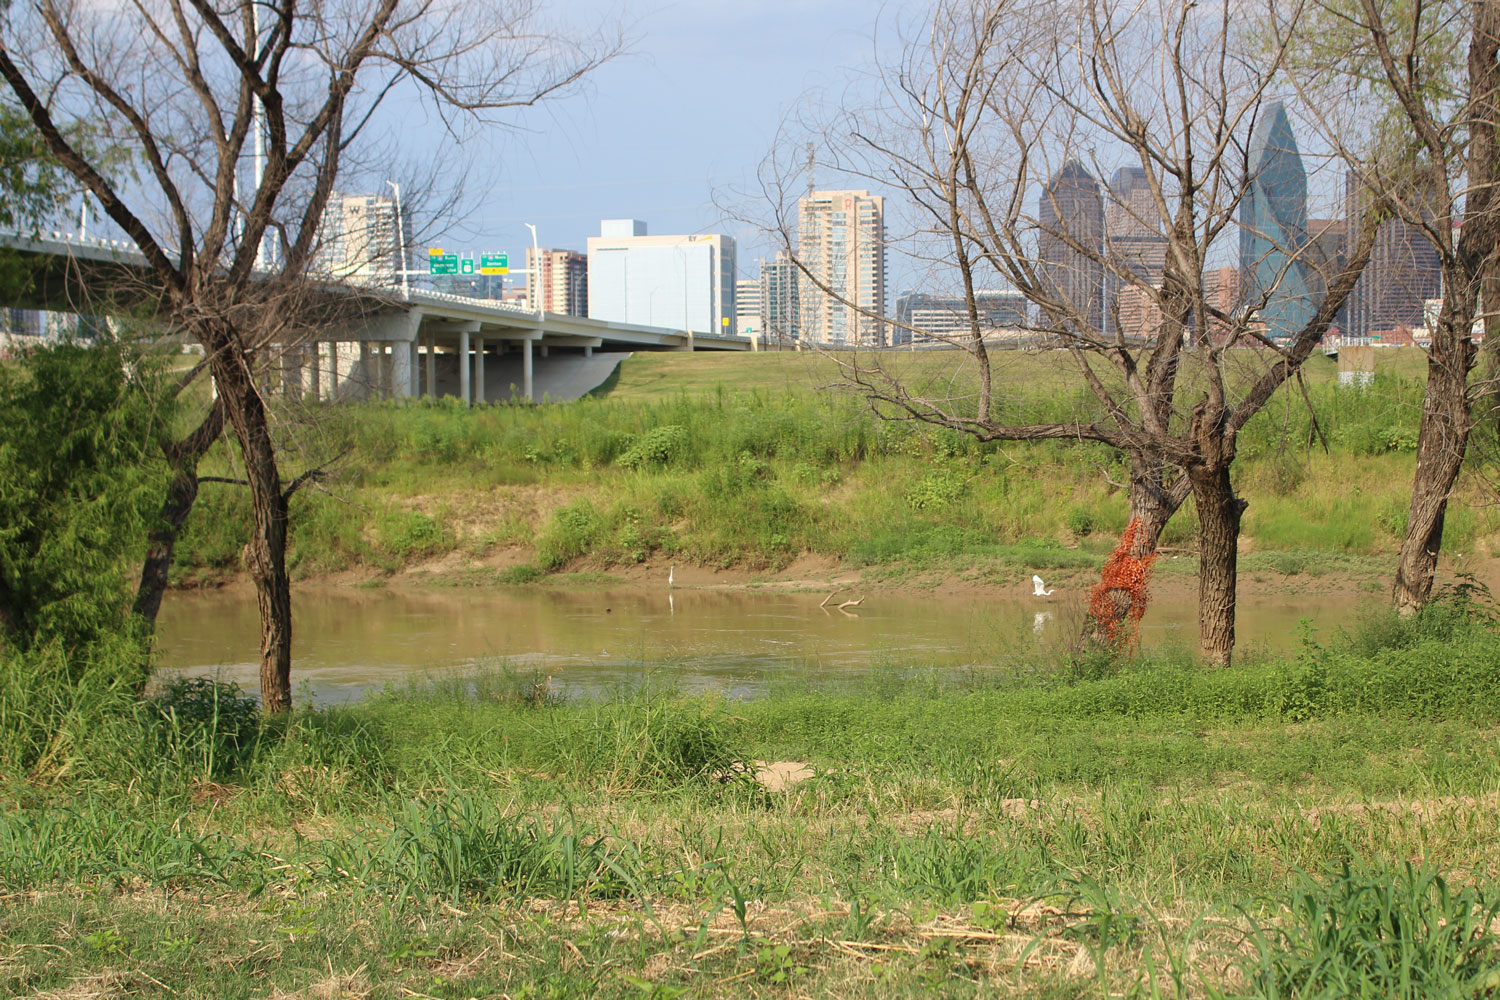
352 641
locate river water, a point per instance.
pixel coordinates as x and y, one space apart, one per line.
352 641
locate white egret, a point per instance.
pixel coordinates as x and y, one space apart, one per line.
671 574
1039 589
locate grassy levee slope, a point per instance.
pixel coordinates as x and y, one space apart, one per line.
747 462
1315 826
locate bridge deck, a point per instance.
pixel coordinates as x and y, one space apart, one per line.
401 331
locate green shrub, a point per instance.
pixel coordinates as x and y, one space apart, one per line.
572 532
207 717
657 448
1080 521
938 490
410 534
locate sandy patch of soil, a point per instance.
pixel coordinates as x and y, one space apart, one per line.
776 776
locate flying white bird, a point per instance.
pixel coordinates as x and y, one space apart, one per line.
1040 589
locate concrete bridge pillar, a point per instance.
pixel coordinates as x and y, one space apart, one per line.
431 367
465 384
479 369
291 374
526 370
365 364
403 368
316 388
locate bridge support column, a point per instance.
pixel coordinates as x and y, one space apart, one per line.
316 388
333 371
432 367
588 352
526 370
465 385
544 349
291 375
479 369
365 363
403 368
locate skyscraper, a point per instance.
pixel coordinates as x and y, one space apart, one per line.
781 281
841 242
1133 239
1403 271
679 282
362 239
750 306
1070 214
559 283
1273 227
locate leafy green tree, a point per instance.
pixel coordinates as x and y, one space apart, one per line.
80 479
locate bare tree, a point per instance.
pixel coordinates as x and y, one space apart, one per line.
187 86
1430 170
994 127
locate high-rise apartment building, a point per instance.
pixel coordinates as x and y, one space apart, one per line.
1070 243
1403 271
678 282
362 240
1133 240
558 282
750 306
780 280
1273 228
841 243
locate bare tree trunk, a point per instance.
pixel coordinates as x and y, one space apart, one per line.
1440 455
1219 514
182 492
265 555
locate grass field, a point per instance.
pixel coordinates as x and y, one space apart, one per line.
1316 826
741 462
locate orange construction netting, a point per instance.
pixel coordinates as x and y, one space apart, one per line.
1119 599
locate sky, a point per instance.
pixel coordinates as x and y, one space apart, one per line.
665 133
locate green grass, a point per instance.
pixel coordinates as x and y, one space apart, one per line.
756 470
1314 825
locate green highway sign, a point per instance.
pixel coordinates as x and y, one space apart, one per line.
443 263
466 266
494 263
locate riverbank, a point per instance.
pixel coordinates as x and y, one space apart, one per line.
1067 830
766 479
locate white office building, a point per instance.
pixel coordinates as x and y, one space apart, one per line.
677 282
750 307
361 241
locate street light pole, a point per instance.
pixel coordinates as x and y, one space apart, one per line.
536 270
401 240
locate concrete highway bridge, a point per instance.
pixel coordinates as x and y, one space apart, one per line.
378 342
